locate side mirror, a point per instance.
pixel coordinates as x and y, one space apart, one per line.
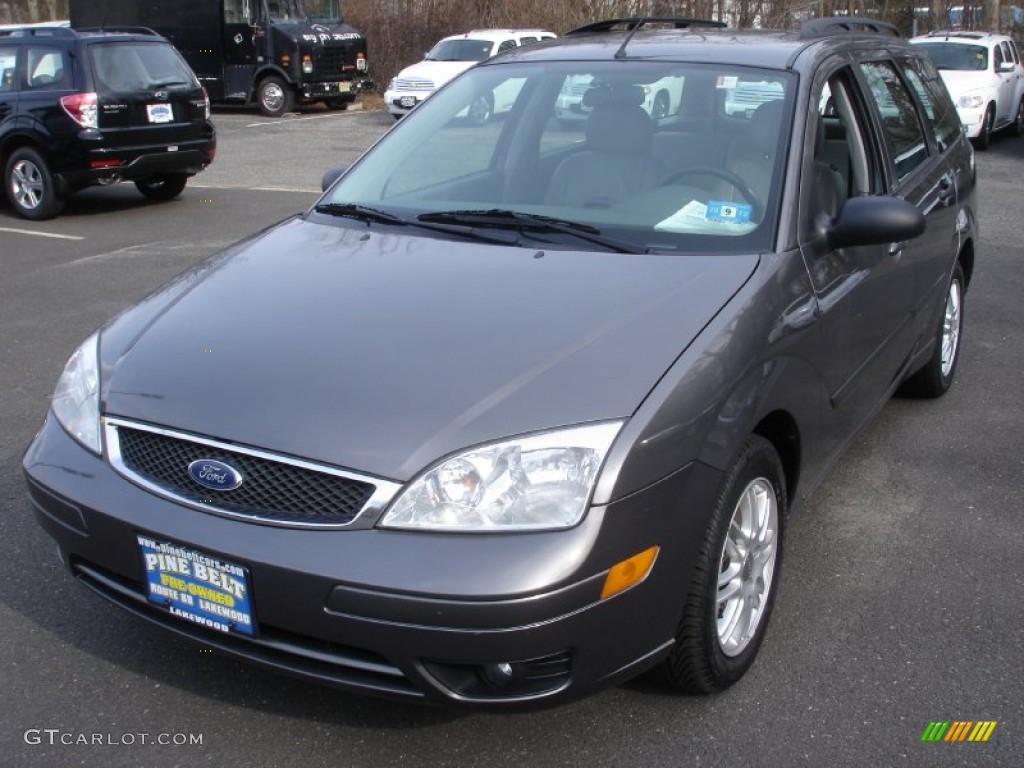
331 175
875 219
1007 66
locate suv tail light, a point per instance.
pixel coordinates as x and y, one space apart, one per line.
203 104
81 107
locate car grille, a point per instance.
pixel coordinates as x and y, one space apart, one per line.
274 489
413 84
331 62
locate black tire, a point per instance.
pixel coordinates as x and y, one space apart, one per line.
166 186
1017 128
660 107
936 377
274 96
700 661
984 137
481 109
29 185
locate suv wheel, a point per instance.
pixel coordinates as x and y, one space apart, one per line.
30 187
274 96
167 186
733 589
935 379
984 137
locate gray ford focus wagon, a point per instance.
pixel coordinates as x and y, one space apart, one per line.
520 408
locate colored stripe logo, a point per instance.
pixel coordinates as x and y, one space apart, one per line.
958 730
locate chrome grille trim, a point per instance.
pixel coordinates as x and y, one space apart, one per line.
384 490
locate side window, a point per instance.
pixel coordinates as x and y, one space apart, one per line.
236 11
997 56
938 106
1014 52
45 68
8 59
506 45
901 126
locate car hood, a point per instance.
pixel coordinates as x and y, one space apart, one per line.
382 353
438 72
958 81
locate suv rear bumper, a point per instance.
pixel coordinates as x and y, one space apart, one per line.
109 165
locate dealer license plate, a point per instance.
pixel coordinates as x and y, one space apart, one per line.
160 113
197 587
408 102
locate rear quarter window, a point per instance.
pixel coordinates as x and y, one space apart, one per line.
46 68
8 60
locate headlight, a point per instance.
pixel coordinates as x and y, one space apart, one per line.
76 400
536 482
969 100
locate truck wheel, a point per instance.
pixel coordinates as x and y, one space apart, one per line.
274 96
30 186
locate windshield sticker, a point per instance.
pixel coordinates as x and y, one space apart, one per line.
727 81
714 218
724 211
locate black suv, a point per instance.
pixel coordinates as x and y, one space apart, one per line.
79 108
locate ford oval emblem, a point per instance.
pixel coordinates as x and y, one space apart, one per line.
215 475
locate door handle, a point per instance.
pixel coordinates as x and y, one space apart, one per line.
896 249
946 188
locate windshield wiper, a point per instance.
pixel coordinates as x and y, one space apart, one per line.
526 222
369 214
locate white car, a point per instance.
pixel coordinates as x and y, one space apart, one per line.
450 57
660 98
984 75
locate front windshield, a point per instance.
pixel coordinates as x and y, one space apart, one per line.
304 10
957 56
460 50
662 156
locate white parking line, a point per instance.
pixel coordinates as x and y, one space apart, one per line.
304 190
40 234
283 121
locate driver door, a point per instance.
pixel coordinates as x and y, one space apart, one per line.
239 45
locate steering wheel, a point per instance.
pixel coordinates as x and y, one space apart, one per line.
756 204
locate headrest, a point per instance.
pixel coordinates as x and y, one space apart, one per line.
621 95
764 124
625 129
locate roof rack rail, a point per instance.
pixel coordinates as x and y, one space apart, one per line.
31 31
118 30
841 25
632 23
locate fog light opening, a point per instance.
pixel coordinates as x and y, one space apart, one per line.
500 674
629 572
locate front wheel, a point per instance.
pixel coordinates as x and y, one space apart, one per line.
730 598
166 186
274 96
936 377
984 137
30 186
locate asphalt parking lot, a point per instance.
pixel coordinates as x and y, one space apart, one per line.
902 595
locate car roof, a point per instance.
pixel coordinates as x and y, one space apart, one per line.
62 32
495 35
970 37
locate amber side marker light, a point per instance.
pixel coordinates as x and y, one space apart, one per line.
629 572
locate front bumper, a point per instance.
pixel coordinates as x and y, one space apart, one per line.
338 89
408 614
972 118
403 102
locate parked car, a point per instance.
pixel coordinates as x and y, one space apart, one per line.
660 98
508 417
984 74
450 57
84 108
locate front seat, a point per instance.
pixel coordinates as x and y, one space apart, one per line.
617 163
751 156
